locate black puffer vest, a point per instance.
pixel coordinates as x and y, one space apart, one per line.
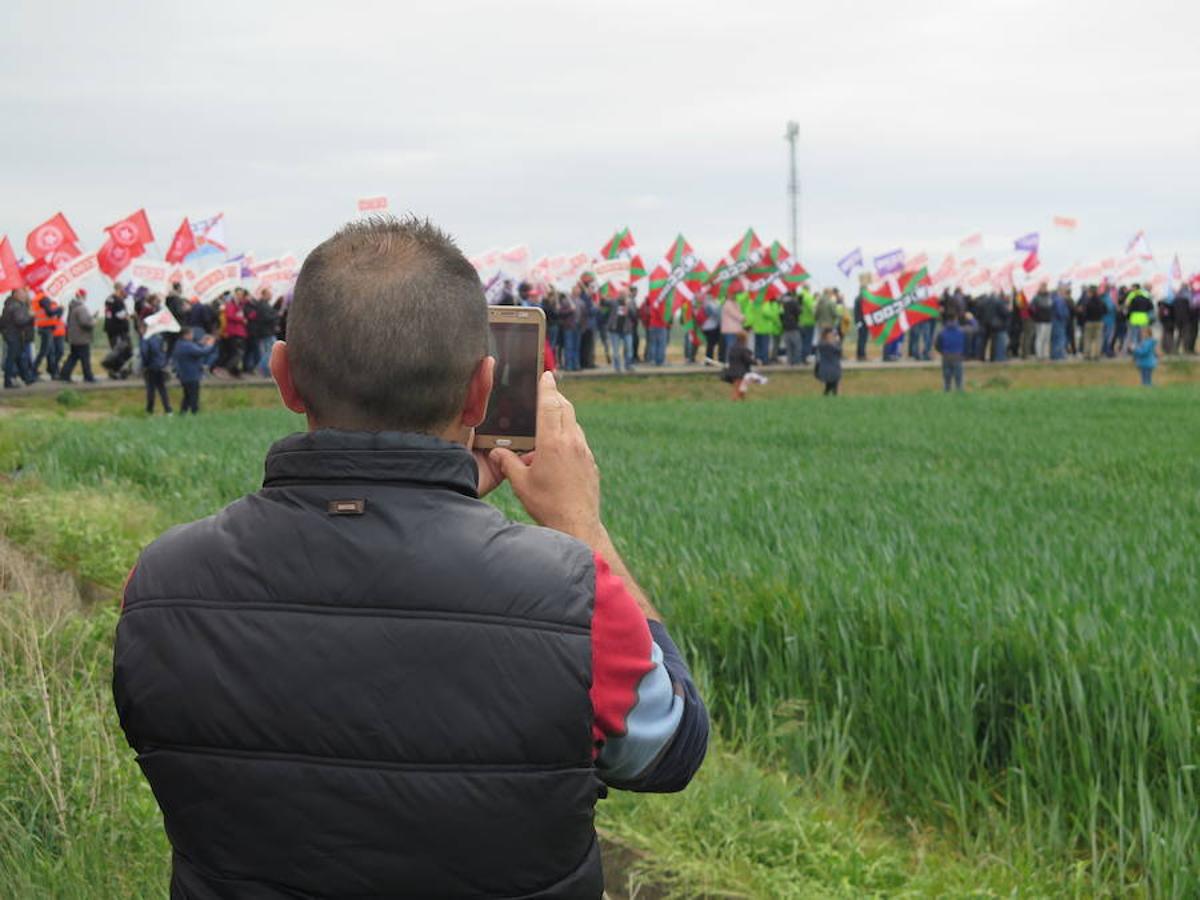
364 682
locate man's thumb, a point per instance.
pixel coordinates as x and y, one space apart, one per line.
511 466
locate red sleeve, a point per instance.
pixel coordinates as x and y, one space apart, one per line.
621 653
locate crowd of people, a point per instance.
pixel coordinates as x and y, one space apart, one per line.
234 333
1051 323
227 337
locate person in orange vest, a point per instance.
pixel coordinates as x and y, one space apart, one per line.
48 318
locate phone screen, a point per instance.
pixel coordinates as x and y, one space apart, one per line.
512 409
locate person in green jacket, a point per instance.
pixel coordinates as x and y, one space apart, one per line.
808 321
772 314
762 317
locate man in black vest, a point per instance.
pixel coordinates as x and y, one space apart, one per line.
361 681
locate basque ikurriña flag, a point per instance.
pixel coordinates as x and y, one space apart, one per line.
677 277
746 264
899 305
622 246
785 275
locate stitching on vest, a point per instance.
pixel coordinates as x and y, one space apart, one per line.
152 747
364 611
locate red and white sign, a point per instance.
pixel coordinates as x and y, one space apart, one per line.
372 205
276 273
48 237
568 269
155 274
945 271
161 321
485 262
614 272
67 278
515 262
214 282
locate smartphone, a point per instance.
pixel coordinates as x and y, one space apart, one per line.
517 339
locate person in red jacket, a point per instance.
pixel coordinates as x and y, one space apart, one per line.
656 330
233 334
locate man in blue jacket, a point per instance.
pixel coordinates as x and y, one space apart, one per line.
951 342
192 355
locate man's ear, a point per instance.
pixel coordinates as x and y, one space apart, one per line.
281 371
478 392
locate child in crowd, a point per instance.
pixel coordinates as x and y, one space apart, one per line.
829 361
191 356
154 371
952 344
1145 356
739 370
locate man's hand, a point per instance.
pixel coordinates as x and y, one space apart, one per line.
559 486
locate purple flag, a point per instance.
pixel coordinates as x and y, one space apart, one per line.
851 261
1028 242
889 263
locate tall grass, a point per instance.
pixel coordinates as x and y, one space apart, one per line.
980 608
76 818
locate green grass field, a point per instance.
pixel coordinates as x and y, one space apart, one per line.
949 642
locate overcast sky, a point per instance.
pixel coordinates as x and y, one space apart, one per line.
552 123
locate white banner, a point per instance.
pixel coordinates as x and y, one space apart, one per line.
161 321
514 263
568 269
154 274
612 271
69 276
211 284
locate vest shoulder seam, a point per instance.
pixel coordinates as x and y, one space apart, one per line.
319 609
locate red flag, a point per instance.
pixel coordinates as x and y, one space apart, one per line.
114 257
132 231
63 255
50 235
10 272
1031 262
37 272
182 244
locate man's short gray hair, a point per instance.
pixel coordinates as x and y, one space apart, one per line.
387 324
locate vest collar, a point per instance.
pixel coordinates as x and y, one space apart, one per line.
329 455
